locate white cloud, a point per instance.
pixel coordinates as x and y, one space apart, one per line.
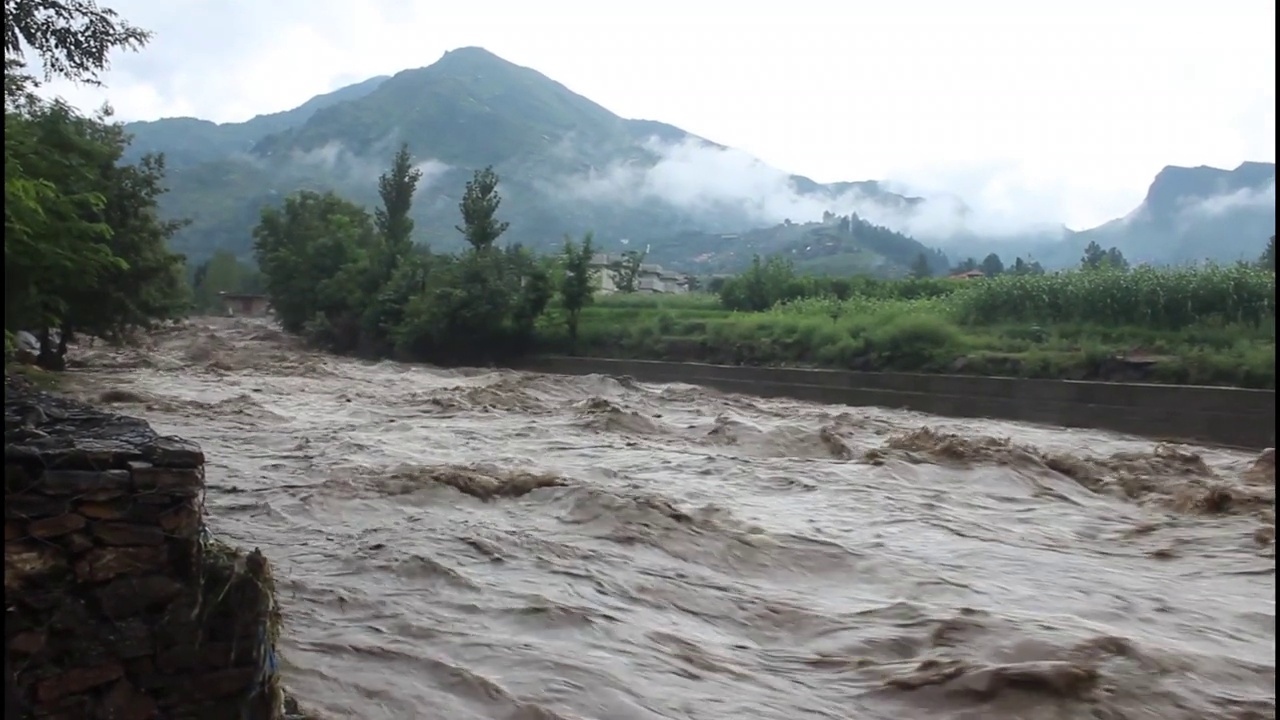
701 177
343 167
1259 198
1034 113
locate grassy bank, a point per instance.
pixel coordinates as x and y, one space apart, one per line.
41 379
1211 326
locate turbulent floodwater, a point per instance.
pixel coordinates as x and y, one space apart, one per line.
495 545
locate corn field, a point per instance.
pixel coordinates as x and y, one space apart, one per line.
1152 298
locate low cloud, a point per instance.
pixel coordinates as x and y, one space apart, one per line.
706 179
698 177
341 167
1244 198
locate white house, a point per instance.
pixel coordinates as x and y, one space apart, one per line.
651 279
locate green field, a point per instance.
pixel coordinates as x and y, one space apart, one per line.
1211 326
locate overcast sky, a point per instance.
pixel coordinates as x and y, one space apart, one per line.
1056 111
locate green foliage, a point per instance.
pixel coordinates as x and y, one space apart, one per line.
1268 258
625 272
149 284
314 254
479 306
396 188
54 235
773 281
992 265
1095 258
1025 267
349 282
1207 325
222 273
1165 298
765 284
479 207
85 250
920 267
577 286
73 39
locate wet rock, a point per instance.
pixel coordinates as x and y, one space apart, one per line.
171 452
118 533
79 482
104 563
77 681
124 702
182 481
28 507
56 526
25 564
129 596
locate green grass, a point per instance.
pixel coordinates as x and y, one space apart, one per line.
40 378
1210 326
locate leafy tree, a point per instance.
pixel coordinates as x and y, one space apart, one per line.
383 286
1268 258
479 207
964 266
84 247
482 304
54 234
1116 260
920 267
1024 267
577 287
148 286
73 39
992 265
1095 258
311 252
766 283
625 272
534 291
396 187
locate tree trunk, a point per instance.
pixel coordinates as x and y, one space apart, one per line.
48 358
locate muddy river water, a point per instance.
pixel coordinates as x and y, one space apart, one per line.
496 545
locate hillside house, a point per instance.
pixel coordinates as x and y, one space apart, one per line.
968 275
652 279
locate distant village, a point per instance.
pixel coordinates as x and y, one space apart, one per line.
650 280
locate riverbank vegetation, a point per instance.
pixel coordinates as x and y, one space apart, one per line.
352 282
84 248
1211 325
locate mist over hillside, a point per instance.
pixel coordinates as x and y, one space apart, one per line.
569 165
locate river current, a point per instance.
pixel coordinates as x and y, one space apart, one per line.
498 545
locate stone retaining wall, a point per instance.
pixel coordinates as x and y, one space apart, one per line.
1212 415
118 605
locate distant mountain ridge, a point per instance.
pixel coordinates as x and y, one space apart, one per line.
570 165
187 141
1189 214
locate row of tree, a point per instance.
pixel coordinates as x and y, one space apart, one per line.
85 250
356 283
1094 258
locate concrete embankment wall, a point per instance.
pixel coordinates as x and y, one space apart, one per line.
118 604
1211 415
